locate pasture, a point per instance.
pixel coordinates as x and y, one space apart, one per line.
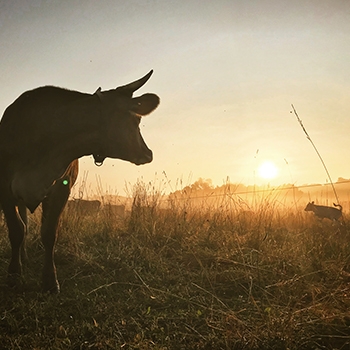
188 277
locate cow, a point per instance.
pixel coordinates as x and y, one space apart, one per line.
83 206
115 210
43 133
324 212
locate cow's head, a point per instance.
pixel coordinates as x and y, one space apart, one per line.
119 133
310 206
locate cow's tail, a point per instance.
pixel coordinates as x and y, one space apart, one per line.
338 205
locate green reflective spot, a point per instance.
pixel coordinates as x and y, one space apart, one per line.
65 182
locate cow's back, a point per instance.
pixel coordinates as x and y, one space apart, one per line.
324 212
26 119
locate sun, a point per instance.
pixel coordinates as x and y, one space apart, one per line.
268 170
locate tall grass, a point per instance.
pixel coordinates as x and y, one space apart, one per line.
174 274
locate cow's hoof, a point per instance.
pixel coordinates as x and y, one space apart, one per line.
52 288
14 280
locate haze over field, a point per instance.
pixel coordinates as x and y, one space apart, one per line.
227 73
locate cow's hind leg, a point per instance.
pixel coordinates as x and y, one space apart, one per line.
16 219
52 207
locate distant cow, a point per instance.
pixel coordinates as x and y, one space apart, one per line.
42 135
83 206
324 212
115 210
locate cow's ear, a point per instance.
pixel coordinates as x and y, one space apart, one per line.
144 104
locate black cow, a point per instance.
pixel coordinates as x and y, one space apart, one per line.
42 135
83 206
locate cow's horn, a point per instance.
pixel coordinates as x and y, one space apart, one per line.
136 84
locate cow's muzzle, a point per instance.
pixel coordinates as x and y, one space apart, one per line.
146 158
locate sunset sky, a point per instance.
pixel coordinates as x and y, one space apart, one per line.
227 73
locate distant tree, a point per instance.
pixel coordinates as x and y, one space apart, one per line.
202 185
341 179
199 187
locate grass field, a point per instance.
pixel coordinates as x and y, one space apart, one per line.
189 277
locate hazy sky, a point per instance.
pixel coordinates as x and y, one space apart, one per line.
227 73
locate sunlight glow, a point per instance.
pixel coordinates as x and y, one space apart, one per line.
268 170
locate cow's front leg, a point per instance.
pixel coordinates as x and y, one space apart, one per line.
17 226
49 236
52 207
50 282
